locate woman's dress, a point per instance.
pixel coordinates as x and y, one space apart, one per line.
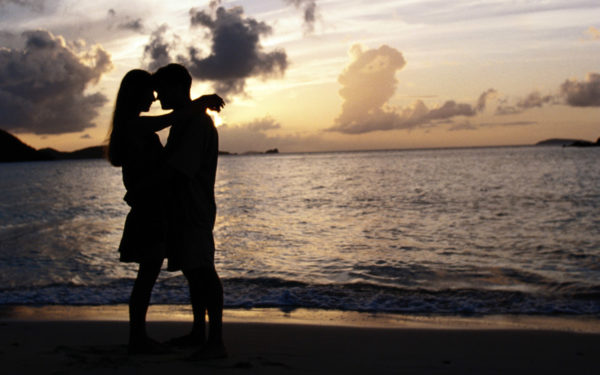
145 229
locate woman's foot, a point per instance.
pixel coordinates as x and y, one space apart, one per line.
146 345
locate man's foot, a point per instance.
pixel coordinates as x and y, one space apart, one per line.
146 346
210 351
187 341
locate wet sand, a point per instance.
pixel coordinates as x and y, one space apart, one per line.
91 340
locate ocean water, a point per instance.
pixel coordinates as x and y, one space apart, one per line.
457 231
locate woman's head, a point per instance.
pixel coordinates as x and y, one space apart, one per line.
135 95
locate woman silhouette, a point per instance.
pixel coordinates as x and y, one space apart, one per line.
134 146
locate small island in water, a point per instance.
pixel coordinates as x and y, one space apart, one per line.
12 149
564 142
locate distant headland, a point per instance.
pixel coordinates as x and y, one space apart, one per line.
568 143
12 149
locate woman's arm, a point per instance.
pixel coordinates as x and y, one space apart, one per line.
155 123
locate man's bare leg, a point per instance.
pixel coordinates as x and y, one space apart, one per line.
213 301
197 337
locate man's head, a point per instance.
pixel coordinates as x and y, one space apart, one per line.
172 83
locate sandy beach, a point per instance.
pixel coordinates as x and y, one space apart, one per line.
91 340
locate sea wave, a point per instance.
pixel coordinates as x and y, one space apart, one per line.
289 295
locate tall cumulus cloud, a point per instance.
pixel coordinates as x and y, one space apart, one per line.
369 82
42 84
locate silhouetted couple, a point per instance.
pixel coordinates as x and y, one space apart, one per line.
171 194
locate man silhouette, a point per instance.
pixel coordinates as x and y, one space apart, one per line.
191 159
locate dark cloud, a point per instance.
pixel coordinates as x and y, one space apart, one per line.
483 99
572 93
37 5
42 85
86 136
125 23
236 53
157 52
582 94
533 100
134 25
505 109
309 7
369 82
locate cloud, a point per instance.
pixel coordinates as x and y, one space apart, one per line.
369 82
483 99
43 84
253 136
582 94
533 100
37 5
309 7
86 136
133 25
125 23
572 93
466 125
236 52
157 52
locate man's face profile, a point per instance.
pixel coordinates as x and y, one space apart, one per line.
166 95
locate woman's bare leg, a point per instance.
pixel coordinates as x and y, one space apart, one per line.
139 302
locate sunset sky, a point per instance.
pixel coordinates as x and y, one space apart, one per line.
312 75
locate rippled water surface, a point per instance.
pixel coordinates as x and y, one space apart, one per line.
491 230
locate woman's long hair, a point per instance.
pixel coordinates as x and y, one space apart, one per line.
127 107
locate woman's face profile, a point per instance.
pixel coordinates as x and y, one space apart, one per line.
146 100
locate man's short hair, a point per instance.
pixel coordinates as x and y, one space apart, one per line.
173 74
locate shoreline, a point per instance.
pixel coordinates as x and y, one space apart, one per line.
317 317
92 340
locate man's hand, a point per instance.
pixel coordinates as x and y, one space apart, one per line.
213 102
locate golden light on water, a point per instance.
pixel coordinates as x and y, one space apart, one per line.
215 117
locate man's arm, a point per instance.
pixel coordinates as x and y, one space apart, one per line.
199 106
